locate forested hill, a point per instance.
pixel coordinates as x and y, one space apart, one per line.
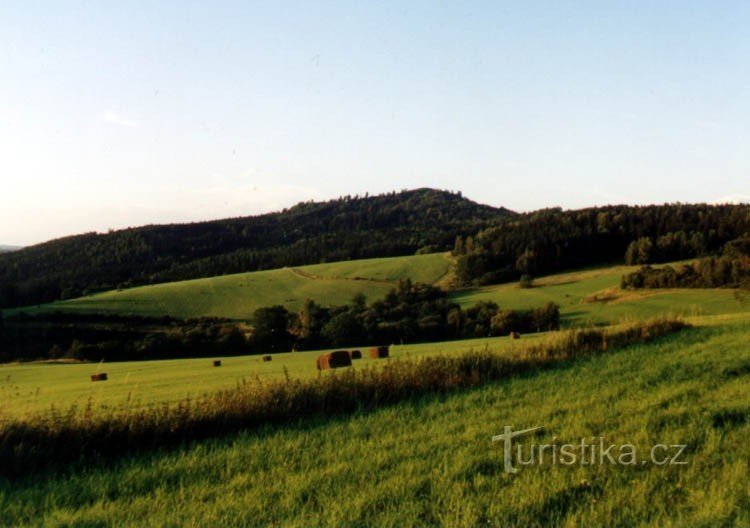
552 240
312 232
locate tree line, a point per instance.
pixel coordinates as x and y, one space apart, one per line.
552 240
729 270
410 313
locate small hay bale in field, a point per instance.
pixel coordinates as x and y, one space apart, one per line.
379 352
99 377
355 354
267 358
515 335
217 362
331 360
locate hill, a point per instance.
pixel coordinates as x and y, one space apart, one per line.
554 240
347 228
237 296
7 249
585 297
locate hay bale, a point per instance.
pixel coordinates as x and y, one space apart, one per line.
217 362
379 352
355 354
99 377
331 360
267 358
514 335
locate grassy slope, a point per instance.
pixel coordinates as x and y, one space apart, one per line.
237 296
431 462
35 387
570 291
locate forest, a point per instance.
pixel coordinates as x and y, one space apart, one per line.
553 240
729 270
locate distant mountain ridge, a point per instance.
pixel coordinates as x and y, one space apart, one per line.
311 232
6 248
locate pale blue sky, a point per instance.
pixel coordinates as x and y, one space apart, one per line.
125 113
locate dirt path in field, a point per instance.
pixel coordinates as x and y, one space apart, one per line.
306 275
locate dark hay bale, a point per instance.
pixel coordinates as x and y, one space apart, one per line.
217 362
267 358
355 354
331 360
515 335
379 352
99 377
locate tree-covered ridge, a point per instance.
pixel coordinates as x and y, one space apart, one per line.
552 240
346 228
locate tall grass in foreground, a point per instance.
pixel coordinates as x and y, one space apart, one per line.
59 437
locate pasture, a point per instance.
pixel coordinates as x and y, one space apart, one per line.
238 296
585 297
594 297
430 461
31 388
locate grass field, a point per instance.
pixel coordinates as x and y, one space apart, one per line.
588 297
34 387
593 297
431 461
238 296
30 388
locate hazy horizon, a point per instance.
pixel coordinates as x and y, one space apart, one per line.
125 115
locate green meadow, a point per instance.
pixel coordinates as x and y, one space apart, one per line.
585 297
430 461
238 296
594 297
28 389
588 297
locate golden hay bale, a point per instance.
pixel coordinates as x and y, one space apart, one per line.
379 352
514 335
99 377
355 354
331 360
217 362
267 358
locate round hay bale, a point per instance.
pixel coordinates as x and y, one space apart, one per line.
515 335
331 360
217 362
379 352
267 358
355 354
99 377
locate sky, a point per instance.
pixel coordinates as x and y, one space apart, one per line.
117 114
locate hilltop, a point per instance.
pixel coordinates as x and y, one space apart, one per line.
356 227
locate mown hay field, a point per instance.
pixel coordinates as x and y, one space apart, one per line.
430 460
